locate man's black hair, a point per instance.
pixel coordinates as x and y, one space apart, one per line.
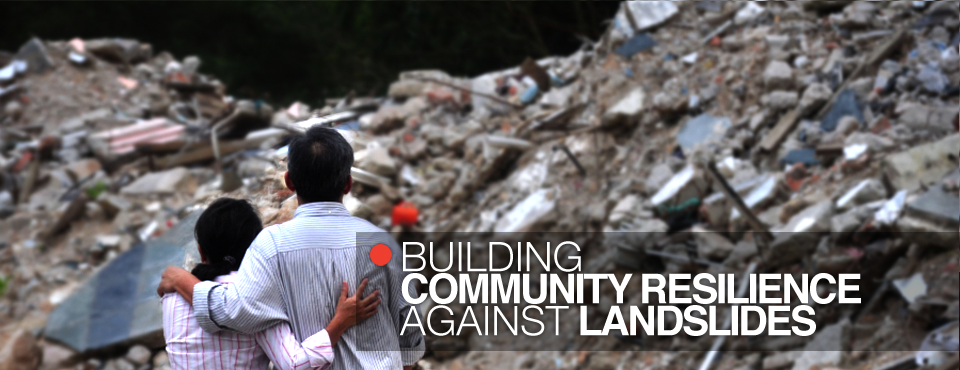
319 163
224 231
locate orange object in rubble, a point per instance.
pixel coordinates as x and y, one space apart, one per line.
405 214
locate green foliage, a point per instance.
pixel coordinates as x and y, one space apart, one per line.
282 51
4 282
94 191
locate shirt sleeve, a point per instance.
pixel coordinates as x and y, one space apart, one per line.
251 304
287 354
411 341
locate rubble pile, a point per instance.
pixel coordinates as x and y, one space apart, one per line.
805 137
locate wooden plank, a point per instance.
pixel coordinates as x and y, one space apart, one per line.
204 152
784 127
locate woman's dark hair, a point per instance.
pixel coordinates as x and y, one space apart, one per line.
224 231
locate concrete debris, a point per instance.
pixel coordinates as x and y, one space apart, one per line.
702 130
778 76
20 352
167 182
638 16
911 288
625 110
834 122
866 191
922 165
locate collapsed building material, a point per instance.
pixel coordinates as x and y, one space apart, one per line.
108 311
922 165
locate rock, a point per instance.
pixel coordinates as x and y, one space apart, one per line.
603 361
626 110
938 207
646 14
378 161
866 191
778 76
764 192
845 223
711 245
56 356
875 143
845 105
389 118
534 209
623 209
21 352
161 361
859 14
780 360
921 165
847 125
287 208
685 185
138 355
702 130
658 176
406 89
938 120
800 236
741 253
13 108
82 169
780 100
116 50
112 204
34 52
167 182
717 207
119 364
91 364
814 97
826 348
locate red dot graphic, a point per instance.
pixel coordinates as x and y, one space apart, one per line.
380 254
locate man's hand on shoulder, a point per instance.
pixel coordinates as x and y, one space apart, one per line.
177 280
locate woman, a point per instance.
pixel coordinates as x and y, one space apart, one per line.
224 231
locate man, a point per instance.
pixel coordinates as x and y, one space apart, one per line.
293 271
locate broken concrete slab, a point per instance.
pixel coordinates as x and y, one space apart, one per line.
118 305
936 120
827 347
535 208
717 208
625 110
780 100
711 245
166 182
762 194
638 16
82 169
846 104
938 207
778 76
923 164
866 191
34 52
623 209
378 161
703 129
801 235
658 176
689 183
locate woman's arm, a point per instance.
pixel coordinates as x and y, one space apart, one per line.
316 352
